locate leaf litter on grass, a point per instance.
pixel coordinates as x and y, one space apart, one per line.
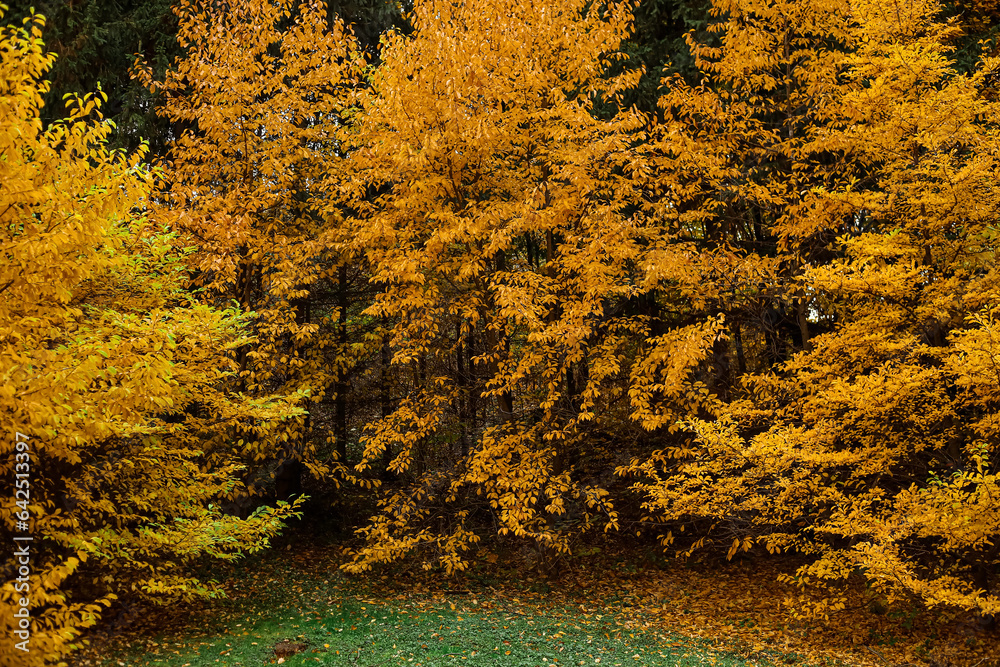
729 614
423 633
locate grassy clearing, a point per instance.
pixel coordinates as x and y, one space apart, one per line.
354 633
605 608
292 614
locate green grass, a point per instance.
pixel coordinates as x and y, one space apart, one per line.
343 622
380 635
353 633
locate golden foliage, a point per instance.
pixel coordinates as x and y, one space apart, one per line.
776 299
99 350
500 240
263 108
843 128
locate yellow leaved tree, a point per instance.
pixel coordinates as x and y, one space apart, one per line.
260 100
501 218
101 351
849 174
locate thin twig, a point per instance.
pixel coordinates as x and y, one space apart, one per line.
877 654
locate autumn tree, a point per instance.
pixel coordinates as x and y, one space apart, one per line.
504 239
264 90
835 164
100 351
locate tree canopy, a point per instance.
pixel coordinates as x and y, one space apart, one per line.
505 270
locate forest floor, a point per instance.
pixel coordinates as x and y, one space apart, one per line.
608 607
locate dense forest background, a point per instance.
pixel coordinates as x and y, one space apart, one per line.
717 274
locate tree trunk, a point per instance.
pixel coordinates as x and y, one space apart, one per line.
463 391
473 386
505 400
340 405
801 312
741 362
384 402
244 294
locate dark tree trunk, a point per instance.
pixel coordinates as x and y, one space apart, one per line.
473 385
340 404
741 361
385 406
244 294
505 401
463 438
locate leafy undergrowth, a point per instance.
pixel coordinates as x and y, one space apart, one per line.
601 610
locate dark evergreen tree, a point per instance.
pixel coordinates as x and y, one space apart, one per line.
658 42
96 42
980 23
